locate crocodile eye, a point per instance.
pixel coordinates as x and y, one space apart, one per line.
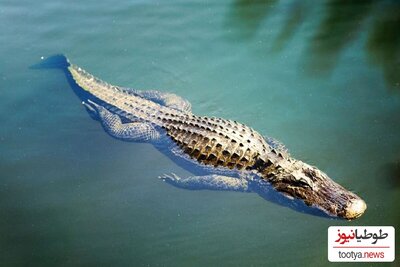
304 183
300 182
311 173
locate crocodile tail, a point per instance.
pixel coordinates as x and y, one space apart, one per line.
58 61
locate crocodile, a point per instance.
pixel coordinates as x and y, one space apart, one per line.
222 154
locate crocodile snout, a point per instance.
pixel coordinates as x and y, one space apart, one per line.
355 209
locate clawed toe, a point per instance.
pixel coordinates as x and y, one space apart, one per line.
92 103
89 106
169 177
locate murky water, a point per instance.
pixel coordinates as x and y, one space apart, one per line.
321 77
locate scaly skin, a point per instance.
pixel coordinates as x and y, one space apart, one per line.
213 143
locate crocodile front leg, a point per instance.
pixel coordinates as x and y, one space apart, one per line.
112 124
211 182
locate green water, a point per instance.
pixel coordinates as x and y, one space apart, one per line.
321 76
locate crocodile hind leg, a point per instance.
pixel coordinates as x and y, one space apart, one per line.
166 99
211 182
112 124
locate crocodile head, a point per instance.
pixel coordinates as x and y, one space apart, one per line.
315 188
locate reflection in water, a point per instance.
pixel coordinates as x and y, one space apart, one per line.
247 15
338 27
294 19
384 43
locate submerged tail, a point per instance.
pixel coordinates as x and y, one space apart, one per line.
52 62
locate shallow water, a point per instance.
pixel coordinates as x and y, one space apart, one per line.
322 78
